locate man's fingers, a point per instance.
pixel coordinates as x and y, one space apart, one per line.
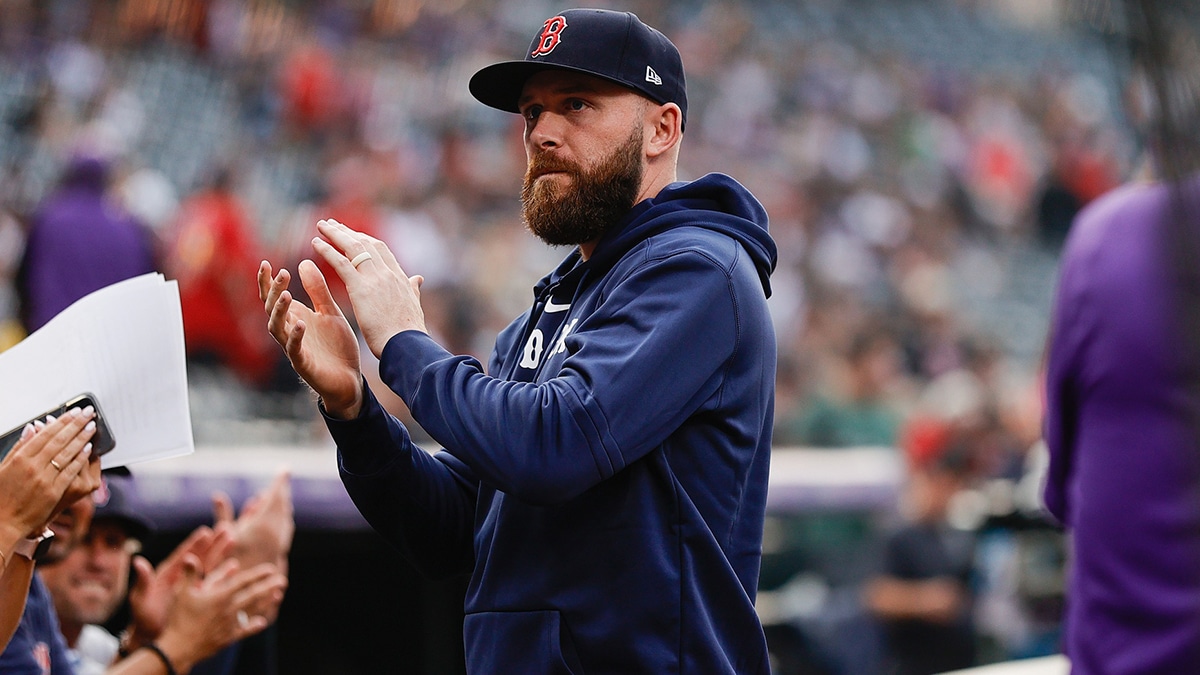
348 245
318 290
275 287
352 242
336 259
279 493
278 316
264 280
196 543
248 584
222 508
294 343
348 242
259 591
220 548
223 577
191 570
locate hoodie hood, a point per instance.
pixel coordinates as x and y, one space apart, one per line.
715 202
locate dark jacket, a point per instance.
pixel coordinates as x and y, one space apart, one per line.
605 484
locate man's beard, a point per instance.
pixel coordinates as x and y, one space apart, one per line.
594 201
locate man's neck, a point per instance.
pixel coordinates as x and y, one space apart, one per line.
70 631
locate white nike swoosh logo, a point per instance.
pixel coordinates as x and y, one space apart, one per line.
552 308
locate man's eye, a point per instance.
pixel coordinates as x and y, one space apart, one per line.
575 104
532 112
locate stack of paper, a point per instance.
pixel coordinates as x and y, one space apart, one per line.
124 345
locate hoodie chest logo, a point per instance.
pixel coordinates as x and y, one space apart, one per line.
531 355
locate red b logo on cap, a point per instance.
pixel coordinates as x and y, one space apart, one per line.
551 35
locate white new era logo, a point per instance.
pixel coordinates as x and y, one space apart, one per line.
652 76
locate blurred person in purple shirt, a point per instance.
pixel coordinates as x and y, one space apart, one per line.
1123 384
80 240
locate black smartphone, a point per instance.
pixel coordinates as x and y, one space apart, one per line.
102 440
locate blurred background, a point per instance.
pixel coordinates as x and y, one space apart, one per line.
921 161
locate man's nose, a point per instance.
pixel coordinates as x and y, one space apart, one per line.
546 131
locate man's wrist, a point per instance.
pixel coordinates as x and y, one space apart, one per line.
136 636
162 656
182 653
345 410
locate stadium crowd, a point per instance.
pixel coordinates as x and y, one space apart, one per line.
920 162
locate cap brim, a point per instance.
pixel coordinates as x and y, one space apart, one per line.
135 526
500 84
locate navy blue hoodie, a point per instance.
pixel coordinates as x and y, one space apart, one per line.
604 484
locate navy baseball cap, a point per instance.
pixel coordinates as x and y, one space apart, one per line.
615 46
116 500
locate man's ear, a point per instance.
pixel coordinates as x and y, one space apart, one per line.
664 124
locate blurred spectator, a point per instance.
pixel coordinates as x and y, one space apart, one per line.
150 196
858 412
211 246
924 595
1057 204
80 240
310 86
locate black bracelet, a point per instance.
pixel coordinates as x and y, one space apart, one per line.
166 662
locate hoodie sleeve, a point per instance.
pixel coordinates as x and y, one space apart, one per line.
423 504
647 358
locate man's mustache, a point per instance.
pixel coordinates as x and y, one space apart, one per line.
541 165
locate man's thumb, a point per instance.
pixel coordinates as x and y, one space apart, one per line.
145 573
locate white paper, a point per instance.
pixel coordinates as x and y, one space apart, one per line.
124 345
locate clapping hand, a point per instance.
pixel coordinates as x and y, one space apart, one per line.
318 341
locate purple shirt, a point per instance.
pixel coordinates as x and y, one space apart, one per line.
1124 453
80 242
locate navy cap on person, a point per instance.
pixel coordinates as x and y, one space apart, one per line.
115 499
615 46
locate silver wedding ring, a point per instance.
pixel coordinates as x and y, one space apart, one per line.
360 259
243 619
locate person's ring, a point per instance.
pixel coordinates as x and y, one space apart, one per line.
243 619
56 465
360 259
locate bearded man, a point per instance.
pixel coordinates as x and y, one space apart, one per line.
604 481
